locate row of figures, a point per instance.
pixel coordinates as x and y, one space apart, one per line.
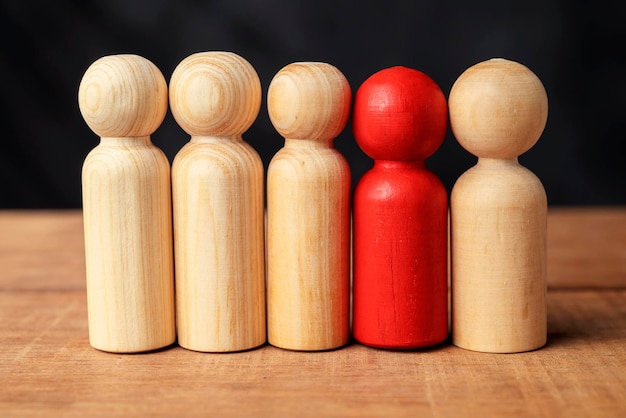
187 254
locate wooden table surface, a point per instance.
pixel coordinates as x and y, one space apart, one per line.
48 368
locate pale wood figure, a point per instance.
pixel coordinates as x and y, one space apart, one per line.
127 207
498 110
308 210
217 187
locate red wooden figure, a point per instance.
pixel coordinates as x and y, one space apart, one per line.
400 117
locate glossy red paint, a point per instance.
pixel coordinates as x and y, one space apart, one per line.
400 213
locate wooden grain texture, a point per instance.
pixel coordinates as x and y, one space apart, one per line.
498 210
586 247
498 247
126 196
218 195
49 369
308 210
42 249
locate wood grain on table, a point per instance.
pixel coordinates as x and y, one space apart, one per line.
48 368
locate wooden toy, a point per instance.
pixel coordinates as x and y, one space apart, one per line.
308 204
498 110
127 207
399 119
217 187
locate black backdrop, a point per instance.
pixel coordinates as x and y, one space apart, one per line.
576 48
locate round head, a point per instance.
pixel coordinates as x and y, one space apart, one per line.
498 109
123 96
399 114
215 94
309 100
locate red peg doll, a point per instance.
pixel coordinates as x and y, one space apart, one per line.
400 118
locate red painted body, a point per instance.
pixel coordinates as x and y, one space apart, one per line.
400 213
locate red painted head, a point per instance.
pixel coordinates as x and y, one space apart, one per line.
399 114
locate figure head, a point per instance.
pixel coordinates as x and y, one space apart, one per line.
123 96
215 93
309 100
498 109
399 114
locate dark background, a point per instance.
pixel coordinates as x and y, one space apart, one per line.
576 49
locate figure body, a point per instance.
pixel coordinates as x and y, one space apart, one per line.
308 187
127 208
498 109
217 184
400 213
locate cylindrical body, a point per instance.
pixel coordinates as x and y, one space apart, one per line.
399 119
400 257
128 246
308 189
217 186
498 235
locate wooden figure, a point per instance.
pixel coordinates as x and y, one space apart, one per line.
308 203
127 207
498 110
217 187
400 118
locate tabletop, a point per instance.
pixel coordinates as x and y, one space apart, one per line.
47 366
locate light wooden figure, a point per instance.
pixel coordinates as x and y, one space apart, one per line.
308 203
498 110
217 188
127 207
